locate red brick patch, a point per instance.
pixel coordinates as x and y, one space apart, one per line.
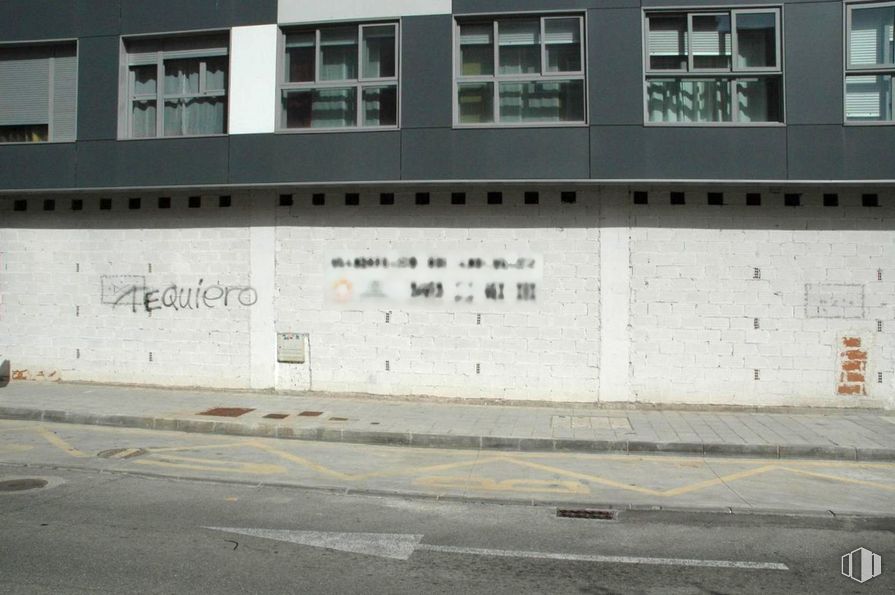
851 342
853 365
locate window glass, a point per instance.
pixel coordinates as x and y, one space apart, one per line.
711 42
689 100
759 99
143 119
668 42
186 117
868 98
520 46
381 106
34 133
144 80
476 103
322 108
216 74
181 77
542 101
301 57
757 40
871 36
338 54
379 52
476 49
562 39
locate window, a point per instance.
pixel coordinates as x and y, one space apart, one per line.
519 71
870 68
339 77
38 93
714 66
175 87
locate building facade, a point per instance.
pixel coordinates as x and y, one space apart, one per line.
564 200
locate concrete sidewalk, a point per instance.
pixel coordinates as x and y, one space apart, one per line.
845 435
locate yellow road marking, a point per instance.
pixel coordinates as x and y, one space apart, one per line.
15 448
508 485
429 468
61 444
585 476
718 481
202 447
861 482
216 466
301 461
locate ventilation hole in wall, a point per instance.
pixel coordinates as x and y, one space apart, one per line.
756 324
641 198
458 198
756 374
20 205
753 199
756 273
388 366
495 198
532 198
716 199
77 267
478 368
195 202
869 200
225 201
77 354
792 200
388 317
77 204
568 197
352 199
105 204
77 311
133 204
49 205
387 199
164 202
879 326
879 274
150 356
149 267
478 319
318 199
831 200
678 198
286 200
422 198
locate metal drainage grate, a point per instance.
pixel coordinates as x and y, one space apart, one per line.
121 453
597 515
22 485
310 414
226 412
276 416
338 419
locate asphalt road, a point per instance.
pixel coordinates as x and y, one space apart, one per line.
100 532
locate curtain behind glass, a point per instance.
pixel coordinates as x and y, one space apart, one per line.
698 100
185 117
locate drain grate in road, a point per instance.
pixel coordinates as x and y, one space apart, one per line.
310 414
22 485
597 515
276 416
226 411
121 453
338 419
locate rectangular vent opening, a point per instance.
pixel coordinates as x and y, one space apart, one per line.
164 202
532 198
318 199
568 198
458 198
194 202
49 205
716 199
678 198
133 203
753 199
756 273
869 200
286 200
387 199
641 198
224 201
495 198
423 198
831 200
77 204
352 199
792 200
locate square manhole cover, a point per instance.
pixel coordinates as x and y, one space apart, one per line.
226 412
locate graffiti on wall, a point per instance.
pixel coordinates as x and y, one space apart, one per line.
433 280
133 292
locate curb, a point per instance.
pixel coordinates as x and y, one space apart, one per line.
452 441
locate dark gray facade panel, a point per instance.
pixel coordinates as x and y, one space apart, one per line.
160 16
426 84
615 73
37 166
868 152
98 17
29 20
813 42
513 154
816 152
688 153
161 162
313 157
98 88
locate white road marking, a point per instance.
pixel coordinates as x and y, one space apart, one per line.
399 546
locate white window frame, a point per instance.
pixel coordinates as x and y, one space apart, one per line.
360 83
157 59
497 78
864 69
733 74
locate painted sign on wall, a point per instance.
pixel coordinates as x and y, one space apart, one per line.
437 281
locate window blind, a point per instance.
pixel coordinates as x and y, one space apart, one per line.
24 86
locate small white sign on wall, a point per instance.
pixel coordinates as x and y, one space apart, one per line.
433 281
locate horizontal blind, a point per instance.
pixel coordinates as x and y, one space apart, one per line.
562 31
65 86
711 43
667 37
519 33
24 86
476 34
864 96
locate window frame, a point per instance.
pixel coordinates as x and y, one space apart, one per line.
732 75
51 100
496 78
862 70
359 83
157 58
